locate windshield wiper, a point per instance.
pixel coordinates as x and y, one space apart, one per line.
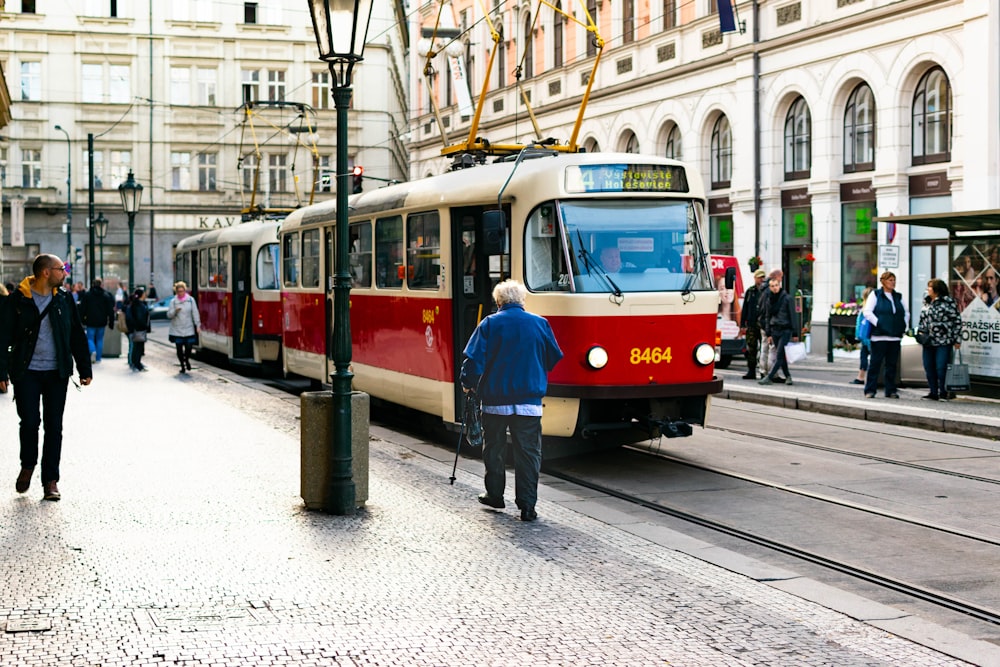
589 259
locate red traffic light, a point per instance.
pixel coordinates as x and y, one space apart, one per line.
359 171
359 179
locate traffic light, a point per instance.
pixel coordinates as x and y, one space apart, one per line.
78 254
359 177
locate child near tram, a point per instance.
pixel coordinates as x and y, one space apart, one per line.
184 323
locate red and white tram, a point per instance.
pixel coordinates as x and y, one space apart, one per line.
233 274
610 246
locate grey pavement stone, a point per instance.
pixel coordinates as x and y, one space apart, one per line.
181 540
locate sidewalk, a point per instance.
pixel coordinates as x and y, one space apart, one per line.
181 540
825 387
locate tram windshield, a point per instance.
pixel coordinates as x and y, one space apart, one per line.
615 246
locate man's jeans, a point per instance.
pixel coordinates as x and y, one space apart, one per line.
526 434
47 390
95 341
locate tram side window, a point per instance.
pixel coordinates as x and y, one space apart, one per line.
222 270
213 267
267 267
360 255
289 260
545 263
203 268
389 252
423 252
310 258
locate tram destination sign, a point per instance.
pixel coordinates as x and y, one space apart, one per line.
626 178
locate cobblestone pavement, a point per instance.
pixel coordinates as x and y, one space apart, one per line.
181 540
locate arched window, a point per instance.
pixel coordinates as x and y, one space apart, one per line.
591 146
628 21
722 153
798 130
859 130
673 148
629 142
932 118
529 48
557 36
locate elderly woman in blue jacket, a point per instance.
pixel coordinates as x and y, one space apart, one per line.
507 361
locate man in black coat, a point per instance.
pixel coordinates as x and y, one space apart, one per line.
40 337
749 326
97 308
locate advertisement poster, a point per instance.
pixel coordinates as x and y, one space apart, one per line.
729 306
974 286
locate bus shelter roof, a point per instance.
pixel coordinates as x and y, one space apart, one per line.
955 222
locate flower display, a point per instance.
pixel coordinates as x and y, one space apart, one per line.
805 260
845 308
755 262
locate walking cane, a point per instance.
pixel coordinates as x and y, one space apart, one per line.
471 428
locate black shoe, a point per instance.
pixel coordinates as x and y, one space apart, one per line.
869 395
23 482
751 375
779 380
857 381
930 397
892 395
487 499
528 515
949 396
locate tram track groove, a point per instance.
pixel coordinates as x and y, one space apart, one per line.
915 591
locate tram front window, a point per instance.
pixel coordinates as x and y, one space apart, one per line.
612 245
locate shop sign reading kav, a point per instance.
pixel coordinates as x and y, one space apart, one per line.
626 178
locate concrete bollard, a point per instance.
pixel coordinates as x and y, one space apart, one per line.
112 347
316 408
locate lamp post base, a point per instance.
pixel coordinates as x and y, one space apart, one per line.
319 460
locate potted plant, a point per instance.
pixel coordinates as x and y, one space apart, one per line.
755 262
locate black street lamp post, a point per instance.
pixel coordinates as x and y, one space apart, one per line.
69 203
341 28
101 227
131 193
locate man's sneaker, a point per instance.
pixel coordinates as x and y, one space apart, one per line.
51 491
93 357
788 381
765 380
24 480
487 499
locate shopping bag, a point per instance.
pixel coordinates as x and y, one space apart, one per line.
795 352
957 376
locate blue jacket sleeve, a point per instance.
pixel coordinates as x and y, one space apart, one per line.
475 357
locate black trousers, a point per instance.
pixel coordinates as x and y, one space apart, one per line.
41 400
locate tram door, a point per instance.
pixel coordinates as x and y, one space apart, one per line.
473 276
242 310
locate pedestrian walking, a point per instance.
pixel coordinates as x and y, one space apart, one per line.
137 323
749 325
780 329
764 357
864 341
886 309
184 323
507 361
939 331
41 335
97 309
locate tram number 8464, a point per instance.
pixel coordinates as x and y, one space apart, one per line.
650 355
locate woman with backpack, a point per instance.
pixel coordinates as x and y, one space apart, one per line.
137 325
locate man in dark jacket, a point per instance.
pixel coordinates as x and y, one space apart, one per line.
507 362
40 337
749 327
97 308
780 328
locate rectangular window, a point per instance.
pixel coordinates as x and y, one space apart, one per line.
669 14
423 252
290 260
251 85
31 168
121 164
180 85
720 228
206 171
203 268
98 169
277 173
248 169
325 174
119 87
27 6
3 166
31 80
389 252
321 90
213 267
92 82
860 248
267 267
276 86
250 12
360 255
206 86
180 171
310 258
222 270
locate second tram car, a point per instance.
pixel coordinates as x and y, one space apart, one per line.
233 274
610 246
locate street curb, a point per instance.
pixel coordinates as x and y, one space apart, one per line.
975 426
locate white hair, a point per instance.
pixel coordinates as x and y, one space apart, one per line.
509 291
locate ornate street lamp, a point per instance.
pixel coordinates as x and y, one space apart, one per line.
341 28
69 203
131 193
100 226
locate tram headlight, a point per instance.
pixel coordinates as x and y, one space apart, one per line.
704 354
597 357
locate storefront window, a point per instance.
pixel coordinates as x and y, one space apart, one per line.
860 249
